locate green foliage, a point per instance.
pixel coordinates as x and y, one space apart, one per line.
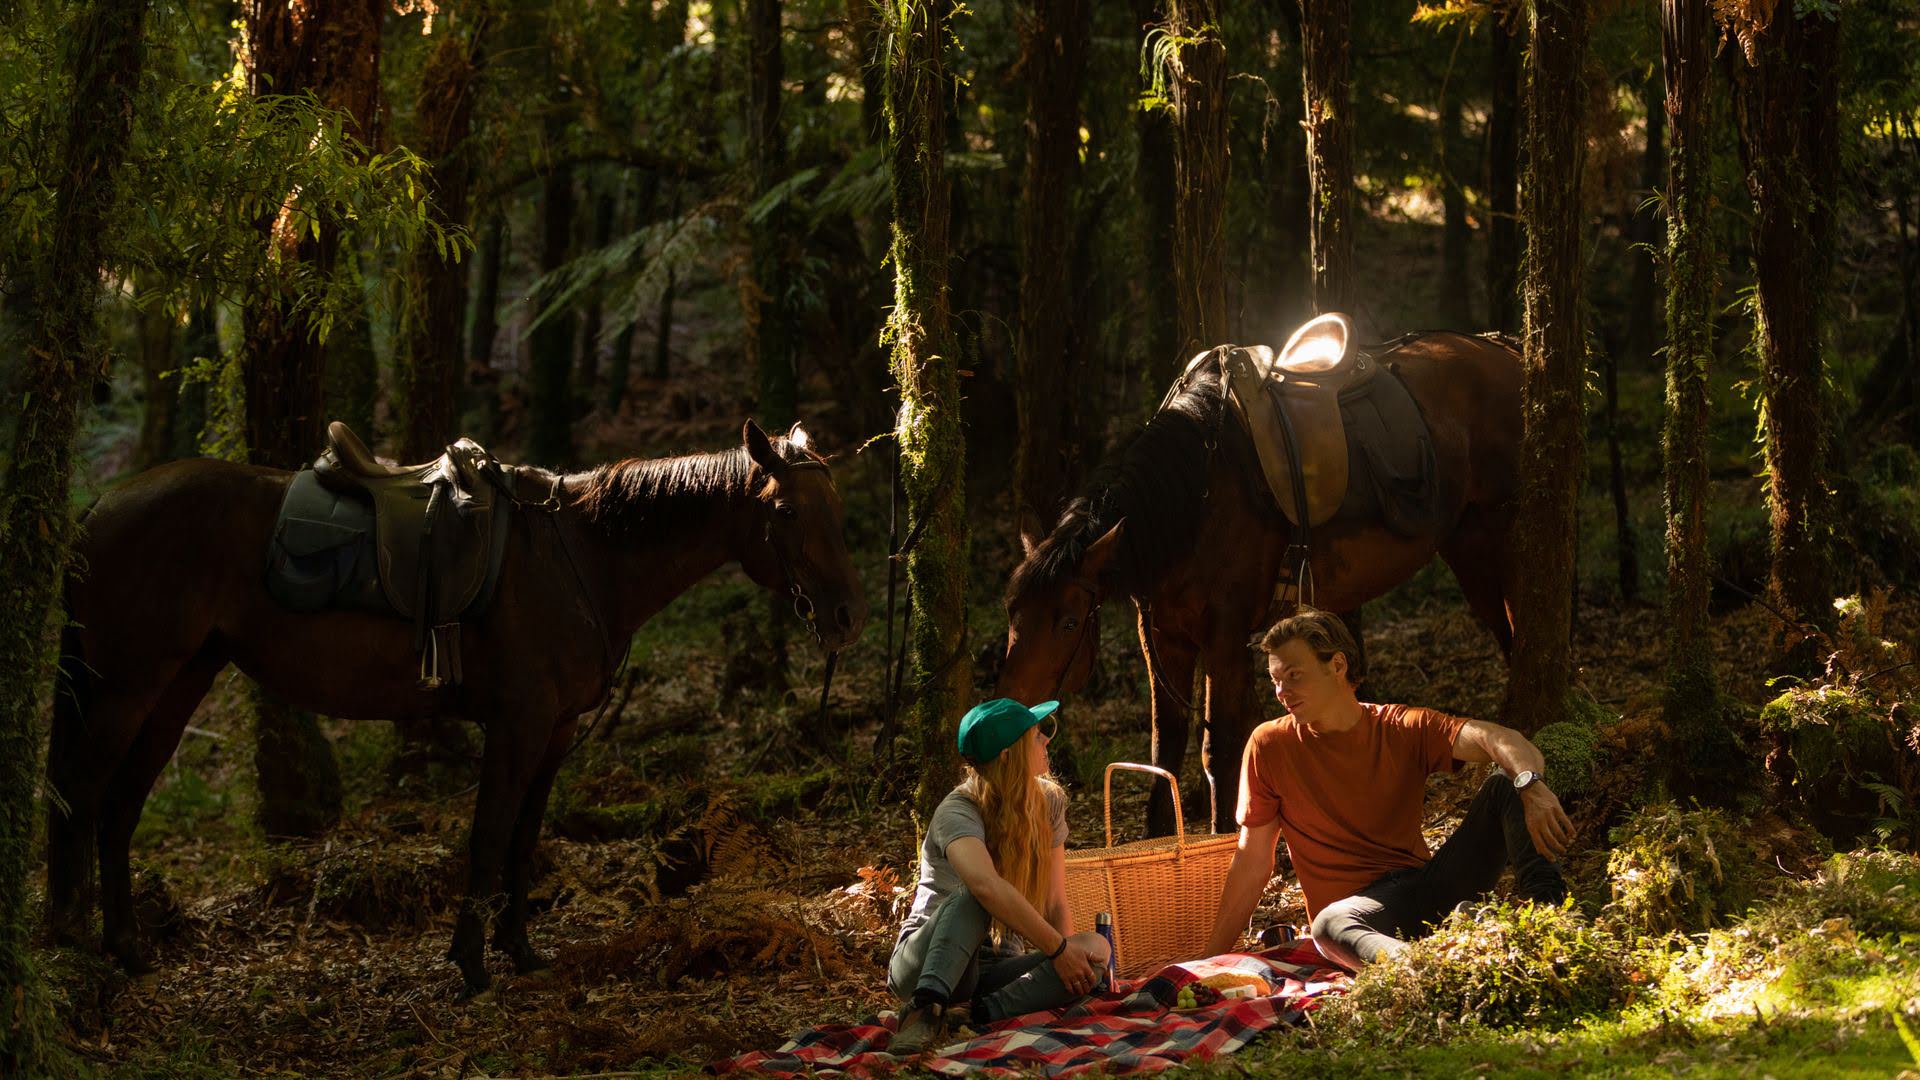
1572 750
1503 965
1843 932
1678 871
224 435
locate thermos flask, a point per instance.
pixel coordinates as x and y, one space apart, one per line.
1103 925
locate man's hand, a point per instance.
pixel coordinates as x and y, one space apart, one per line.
1080 964
1549 825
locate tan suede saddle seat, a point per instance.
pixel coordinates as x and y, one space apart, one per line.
1336 432
438 534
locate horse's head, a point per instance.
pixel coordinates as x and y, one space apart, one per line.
800 543
1052 610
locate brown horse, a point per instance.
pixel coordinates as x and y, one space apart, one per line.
1180 520
170 588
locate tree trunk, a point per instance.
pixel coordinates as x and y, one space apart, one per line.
158 333
36 527
1552 453
1626 553
769 314
480 382
330 48
1056 34
1198 76
430 368
352 371
1702 748
586 378
1154 181
863 26
1456 300
663 329
1643 304
932 447
550 440
1326 45
1785 100
1503 174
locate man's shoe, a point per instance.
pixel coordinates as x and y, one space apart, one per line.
919 1027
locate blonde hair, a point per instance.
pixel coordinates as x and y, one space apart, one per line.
1013 803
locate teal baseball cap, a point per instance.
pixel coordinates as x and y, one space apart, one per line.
992 726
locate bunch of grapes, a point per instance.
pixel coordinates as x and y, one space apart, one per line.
1196 996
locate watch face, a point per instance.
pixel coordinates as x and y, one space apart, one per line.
1525 779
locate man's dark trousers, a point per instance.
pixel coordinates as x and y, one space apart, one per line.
1377 920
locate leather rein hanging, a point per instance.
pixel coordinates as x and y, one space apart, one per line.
803 607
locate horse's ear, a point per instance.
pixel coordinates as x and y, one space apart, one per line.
1028 545
760 448
797 435
1101 552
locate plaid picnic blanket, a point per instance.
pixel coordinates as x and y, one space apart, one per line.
1133 1029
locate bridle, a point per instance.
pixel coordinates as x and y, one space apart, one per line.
803 606
1087 622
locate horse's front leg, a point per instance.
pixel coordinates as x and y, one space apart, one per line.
509 763
1231 714
510 933
1170 663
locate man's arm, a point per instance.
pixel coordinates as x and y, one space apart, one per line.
1548 823
1246 880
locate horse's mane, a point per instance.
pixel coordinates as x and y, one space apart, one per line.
641 497
1156 480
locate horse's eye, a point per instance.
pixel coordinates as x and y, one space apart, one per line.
1070 624
786 510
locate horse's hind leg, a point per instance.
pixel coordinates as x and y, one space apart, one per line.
510 933
95 721
1477 553
126 795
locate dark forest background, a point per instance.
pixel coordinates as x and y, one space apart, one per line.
581 230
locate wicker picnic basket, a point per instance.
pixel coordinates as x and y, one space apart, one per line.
1162 892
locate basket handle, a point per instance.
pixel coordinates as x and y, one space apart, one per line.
1179 817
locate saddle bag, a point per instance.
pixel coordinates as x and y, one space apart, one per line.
322 554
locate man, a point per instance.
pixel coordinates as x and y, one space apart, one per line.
1345 780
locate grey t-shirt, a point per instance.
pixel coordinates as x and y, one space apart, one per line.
959 816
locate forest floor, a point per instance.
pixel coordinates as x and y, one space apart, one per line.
720 871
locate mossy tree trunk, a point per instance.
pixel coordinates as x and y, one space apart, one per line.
62 348
330 48
932 448
1456 300
1154 186
1503 174
1326 44
1054 35
1703 746
1198 77
1553 451
430 367
479 384
1786 104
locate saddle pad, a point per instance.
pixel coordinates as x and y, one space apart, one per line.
1391 467
321 554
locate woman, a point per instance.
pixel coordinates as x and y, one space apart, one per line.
994 861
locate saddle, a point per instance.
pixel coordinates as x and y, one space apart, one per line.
1337 434
421 542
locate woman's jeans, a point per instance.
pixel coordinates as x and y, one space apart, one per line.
949 955
1377 920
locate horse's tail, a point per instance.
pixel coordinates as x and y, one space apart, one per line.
70 817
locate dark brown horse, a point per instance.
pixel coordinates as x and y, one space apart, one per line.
171 588
1180 520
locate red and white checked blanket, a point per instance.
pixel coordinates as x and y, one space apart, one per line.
1131 1030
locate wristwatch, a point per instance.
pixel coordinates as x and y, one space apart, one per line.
1525 780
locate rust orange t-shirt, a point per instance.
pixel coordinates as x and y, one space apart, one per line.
1348 802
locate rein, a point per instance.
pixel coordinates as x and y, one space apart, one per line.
803 606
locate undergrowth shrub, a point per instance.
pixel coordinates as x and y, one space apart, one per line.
1679 871
1860 916
1505 964
1571 747
1845 747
